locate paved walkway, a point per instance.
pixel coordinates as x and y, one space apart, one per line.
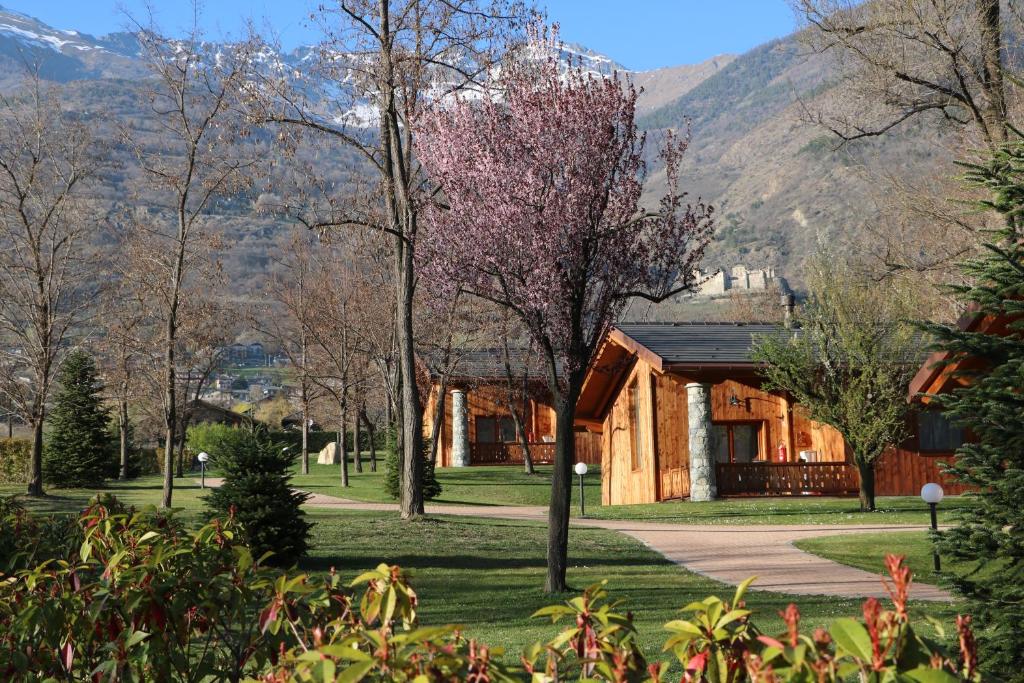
729 554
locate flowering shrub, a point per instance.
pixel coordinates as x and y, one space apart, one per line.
134 596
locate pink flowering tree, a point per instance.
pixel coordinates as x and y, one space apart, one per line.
538 210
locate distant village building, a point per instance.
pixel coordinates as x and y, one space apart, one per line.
739 278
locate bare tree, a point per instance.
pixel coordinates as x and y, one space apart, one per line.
335 364
379 60
900 59
206 327
47 161
190 157
122 353
289 321
945 66
518 387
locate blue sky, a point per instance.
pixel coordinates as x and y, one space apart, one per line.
640 34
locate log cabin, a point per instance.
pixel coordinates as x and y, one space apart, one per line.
682 413
476 425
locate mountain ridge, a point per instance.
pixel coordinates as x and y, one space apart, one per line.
778 186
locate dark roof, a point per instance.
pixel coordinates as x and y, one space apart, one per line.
490 364
700 343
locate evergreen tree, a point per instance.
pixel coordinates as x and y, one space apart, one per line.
257 490
989 536
431 486
79 452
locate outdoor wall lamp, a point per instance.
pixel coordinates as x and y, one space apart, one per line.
581 469
931 493
202 458
734 401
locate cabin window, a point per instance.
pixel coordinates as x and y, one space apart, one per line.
936 433
634 425
495 430
738 442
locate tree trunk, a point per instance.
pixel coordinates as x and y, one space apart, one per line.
867 486
181 451
435 429
340 447
524 439
305 437
411 499
357 455
994 111
35 477
122 428
561 492
371 436
170 415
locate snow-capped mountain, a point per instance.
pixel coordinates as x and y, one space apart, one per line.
63 55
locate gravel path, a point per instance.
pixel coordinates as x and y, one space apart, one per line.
729 554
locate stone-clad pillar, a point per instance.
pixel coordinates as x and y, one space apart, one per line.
460 429
702 450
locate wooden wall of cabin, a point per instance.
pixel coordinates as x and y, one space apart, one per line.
621 482
671 437
444 447
666 450
489 401
901 472
825 441
753 404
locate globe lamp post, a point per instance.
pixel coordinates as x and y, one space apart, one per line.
931 493
581 469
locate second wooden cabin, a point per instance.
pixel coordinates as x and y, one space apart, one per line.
474 407
652 389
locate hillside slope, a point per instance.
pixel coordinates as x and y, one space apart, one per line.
776 182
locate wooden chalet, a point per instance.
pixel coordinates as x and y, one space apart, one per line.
682 412
476 423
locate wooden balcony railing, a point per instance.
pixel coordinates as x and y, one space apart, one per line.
781 479
543 453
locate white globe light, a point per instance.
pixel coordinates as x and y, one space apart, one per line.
203 457
581 468
931 493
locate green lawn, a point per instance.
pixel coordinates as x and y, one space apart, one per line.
505 485
138 492
510 486
502 485
867 551
795 510
487 574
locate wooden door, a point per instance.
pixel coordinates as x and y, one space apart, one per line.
671 437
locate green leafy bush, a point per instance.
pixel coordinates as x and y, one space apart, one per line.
79 452
14 457
208 437
140 598
392 474
257 491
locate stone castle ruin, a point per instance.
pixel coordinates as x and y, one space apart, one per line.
739 278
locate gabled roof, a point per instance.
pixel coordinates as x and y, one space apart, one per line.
938 375
691 348
699 343
489 364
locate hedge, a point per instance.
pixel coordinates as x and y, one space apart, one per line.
14 459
